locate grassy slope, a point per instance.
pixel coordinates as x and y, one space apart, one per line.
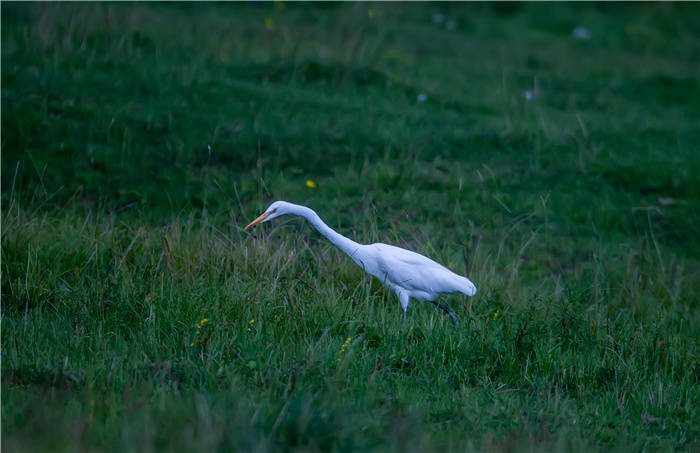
121 229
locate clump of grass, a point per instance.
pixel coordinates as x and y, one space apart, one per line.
102 306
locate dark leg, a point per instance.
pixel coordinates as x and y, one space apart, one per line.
446 310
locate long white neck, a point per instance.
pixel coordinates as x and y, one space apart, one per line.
347 245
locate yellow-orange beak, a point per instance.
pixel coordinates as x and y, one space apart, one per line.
258 220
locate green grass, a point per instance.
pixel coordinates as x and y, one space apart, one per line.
137 140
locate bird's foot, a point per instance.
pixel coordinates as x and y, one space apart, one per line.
446 310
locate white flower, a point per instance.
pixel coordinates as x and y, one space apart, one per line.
422 97
581 33
528 95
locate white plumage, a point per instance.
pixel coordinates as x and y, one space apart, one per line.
406 273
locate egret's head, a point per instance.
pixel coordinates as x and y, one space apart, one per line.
276 209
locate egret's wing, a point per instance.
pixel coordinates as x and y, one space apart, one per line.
415 272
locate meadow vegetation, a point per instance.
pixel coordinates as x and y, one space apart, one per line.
559 173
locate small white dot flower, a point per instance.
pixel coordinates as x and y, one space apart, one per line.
528 95
422 97
581 33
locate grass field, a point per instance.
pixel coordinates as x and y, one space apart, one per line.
560 173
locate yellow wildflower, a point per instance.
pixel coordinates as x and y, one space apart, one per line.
251 324
497 314
197 340
269 24
310 184
344 347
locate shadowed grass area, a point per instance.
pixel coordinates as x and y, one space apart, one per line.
559 174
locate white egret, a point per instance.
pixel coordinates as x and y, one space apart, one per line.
406 273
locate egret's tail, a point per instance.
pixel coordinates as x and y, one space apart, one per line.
467 287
